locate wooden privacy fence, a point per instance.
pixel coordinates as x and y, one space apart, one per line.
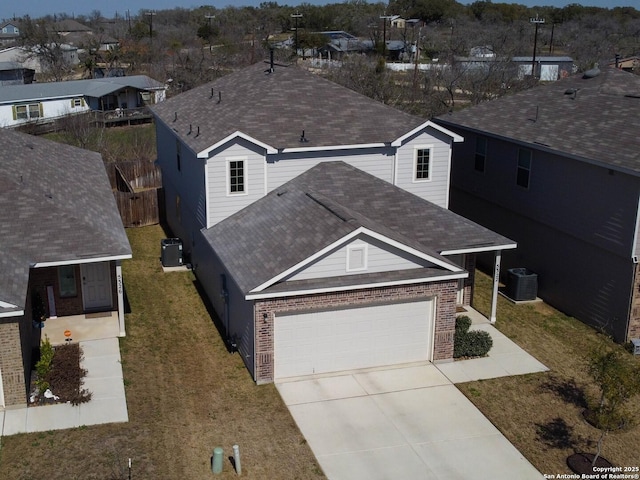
137 187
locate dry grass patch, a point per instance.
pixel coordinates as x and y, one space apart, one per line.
185 395
542 413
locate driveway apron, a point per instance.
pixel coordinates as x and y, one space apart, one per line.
406 422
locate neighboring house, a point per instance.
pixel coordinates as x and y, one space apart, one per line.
41 102
276 248
31 59
74 33
548 68
62 241
9 33
13 73
557 168
628 64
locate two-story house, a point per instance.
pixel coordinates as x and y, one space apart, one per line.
316 221
557 168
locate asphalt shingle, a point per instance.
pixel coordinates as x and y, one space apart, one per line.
321 206
274 108
591 118
56 205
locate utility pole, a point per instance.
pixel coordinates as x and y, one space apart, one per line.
537 22
384 19
296 16
209 17
151 13
553 27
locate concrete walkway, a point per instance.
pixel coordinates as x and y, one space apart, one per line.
108 403
410 421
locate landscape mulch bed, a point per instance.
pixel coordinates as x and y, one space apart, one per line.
65 378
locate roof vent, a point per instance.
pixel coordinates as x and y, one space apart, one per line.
190 130
592 73
571 91
175 116
303 139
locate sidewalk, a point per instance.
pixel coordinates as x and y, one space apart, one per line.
108 402
504 359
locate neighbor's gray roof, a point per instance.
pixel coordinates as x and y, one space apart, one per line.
275 108
323 205
599 123
97 88
56 205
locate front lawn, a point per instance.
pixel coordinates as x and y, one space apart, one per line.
186 395
541 414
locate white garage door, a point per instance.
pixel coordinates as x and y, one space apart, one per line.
332 341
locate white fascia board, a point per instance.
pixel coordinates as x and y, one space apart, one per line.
15 313
456 138
311 291
345 239
492 248
237 134
78 261
43 99
332 147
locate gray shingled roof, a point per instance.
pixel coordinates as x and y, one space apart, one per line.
275 108
323 205
599 123
97 88
56 205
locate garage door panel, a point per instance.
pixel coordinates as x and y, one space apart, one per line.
321 342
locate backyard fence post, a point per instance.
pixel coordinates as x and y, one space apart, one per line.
216 463
236 459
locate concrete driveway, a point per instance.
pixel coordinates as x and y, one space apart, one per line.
406 422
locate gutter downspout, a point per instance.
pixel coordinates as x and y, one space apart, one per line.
120 290
496 281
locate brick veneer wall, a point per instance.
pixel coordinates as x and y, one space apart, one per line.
41 277
12 363
444 294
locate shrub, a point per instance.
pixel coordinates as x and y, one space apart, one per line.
43 367
463 323
479 343
474 343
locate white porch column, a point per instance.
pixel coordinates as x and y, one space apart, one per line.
120 287
496 282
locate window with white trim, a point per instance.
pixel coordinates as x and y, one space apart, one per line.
356 258
237 177
524 168
422 164
27 111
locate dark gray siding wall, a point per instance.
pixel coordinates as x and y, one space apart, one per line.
576 198
235 314
188 183
574 226
576 277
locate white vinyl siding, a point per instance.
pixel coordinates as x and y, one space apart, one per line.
436 189
221 203
363 337
379 258
281 170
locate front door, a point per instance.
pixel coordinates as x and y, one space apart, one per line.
96 286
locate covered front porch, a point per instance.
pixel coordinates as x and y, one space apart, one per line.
81 328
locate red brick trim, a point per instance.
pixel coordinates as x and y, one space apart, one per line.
444 294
